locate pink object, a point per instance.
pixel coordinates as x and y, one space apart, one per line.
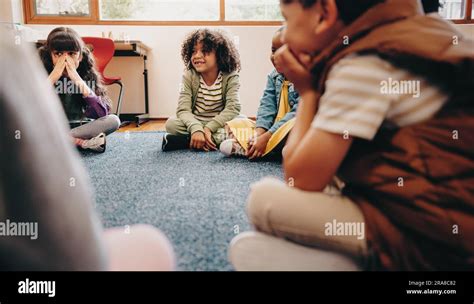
138 248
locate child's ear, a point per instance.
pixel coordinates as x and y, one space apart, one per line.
329 14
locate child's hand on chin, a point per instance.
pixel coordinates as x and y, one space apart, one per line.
295 69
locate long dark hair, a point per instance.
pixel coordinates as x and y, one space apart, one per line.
63 39
228 59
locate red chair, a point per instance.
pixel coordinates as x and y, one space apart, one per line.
103 50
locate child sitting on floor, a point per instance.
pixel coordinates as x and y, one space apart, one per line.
387 105
209 95
72 71
275 117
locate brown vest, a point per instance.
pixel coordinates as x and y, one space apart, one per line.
415 185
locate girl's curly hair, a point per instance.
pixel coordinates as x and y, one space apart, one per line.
66 39
228 59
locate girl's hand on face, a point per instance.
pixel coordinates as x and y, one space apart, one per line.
58 70
71 70
76 78
295 69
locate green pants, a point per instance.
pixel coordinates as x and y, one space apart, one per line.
175 126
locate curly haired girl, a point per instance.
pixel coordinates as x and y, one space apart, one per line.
209 96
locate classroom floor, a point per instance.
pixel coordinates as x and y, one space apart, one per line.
197 199
152 125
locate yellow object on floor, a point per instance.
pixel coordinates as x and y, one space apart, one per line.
243 129
283 106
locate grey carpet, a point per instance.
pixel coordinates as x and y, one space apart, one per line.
196 198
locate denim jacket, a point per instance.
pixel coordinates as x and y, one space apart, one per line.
269 103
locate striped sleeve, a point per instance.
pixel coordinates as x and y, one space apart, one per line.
353 103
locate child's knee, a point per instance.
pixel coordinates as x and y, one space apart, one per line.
111 123
261 200
173 125
114 122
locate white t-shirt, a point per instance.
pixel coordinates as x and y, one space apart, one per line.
364 91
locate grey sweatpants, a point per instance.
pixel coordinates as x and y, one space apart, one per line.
107 124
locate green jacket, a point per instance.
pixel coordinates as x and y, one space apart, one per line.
187 100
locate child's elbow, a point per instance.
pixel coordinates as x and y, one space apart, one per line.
291 172
302 178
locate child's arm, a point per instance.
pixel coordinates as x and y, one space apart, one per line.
312 156
58 70
290 115
268 105
184 111
298 73
232 106
96 107
265 118
76 78
304 116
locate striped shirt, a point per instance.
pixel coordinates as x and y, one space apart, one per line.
209 102
362 92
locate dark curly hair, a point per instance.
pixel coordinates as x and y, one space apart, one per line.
228 59
350 10
66 39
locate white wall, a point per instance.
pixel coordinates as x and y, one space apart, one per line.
10 11
6 11
467 29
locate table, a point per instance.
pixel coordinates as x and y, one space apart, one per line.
135 48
